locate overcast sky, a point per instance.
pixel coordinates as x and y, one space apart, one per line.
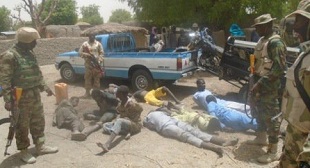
105 6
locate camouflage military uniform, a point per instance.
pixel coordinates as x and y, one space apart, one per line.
295 108
91 73
269 69
19 68
297 140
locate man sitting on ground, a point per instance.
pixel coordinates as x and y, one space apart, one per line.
67 117
128 123
107 112
153 97
160 121
231 120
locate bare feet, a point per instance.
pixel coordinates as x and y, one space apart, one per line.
103 147
219 151
231 142
78 136
127 136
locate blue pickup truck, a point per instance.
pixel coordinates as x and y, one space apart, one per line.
123 60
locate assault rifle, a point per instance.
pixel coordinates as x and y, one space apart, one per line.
94 62
251 98
14 114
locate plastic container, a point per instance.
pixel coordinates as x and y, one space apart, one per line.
61 92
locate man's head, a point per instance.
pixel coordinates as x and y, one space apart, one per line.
173 29
26 37
195 26
122 92
91 38
74 101
154 30
210 98
201 85
263 24
96 94
139 95
302 16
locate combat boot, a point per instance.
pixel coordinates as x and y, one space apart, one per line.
271 154
26 157
43 149
260 139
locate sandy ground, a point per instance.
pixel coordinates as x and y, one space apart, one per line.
146 149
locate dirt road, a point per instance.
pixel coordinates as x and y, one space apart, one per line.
146 149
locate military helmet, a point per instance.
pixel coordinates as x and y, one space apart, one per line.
27 34
263 19
195 25
303 8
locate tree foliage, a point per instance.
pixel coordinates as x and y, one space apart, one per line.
216 14
120 15
64 14
35 11
5 19
91 14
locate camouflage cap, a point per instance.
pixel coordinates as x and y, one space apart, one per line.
27 34
263 19
303 8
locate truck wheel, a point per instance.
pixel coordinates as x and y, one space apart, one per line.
67 73
141 79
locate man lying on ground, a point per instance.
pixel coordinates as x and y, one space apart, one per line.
200 99
198 119
153 97
231 120
160 121
128 123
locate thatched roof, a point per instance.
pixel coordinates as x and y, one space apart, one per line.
112 28
82 23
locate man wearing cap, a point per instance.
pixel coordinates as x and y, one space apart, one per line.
296 100
20 69
270 53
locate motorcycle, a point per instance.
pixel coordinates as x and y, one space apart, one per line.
209 55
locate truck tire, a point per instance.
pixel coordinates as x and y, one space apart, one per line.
141 79
67 73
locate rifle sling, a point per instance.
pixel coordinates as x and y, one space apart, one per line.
4 120
305 97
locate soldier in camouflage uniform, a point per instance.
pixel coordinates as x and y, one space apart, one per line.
19 68
270 53
92 76
296 111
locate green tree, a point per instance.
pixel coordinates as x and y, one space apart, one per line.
64 14
5 19
120 15
91 14
216 14
35 11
